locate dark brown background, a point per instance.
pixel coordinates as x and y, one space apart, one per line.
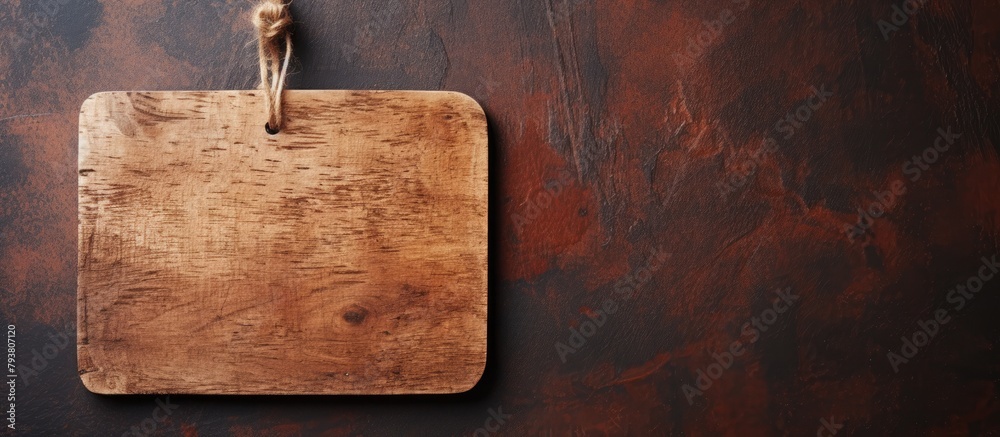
588 93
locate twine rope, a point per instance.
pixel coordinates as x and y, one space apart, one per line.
273 22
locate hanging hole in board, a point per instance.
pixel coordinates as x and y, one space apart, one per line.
267 128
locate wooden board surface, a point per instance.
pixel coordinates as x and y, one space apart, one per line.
344 255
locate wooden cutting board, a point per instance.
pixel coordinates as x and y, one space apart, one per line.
344 255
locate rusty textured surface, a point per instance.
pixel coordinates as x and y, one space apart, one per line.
589 101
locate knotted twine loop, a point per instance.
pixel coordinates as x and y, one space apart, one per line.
273 22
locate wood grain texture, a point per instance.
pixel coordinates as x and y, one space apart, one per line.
344 255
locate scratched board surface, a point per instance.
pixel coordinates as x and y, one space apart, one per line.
808 187
345 254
